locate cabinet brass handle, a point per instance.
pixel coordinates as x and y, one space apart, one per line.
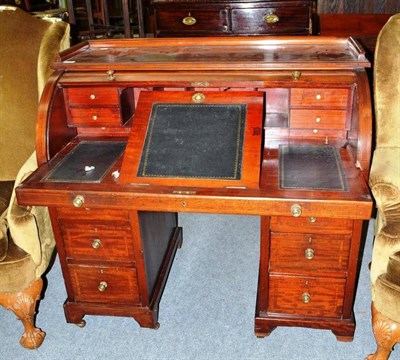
198 97
102 286
312 219
92 96
94 117
271 18
296 74
306 297
309 253
189 20
96 243
78 201
295 210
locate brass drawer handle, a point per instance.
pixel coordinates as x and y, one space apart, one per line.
102 286
198 97
309 253
94 117
78 201
110 75
271 18
92 96
189 20
306 297
96 243
295 210
312 219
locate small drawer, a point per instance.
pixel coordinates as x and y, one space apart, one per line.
191 20
307 296
95 117
99 96
290 224
309 252
104 284
319 98
317 119
99 215
276 20
98 242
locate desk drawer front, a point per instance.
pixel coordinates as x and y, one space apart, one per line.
100 215
310 225
192 20
104 284
318 119
306 296
98 242
319 98
286 19
309 252
99 96
95 117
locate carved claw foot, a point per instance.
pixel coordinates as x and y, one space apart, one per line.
23 305
387 334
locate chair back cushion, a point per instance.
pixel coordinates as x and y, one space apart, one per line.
387 84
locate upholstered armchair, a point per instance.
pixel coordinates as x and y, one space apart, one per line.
385 186
28 47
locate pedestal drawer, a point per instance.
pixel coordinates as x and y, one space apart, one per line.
310 225
104 284
309 252
98 242
308 296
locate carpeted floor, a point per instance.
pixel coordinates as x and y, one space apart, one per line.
206 312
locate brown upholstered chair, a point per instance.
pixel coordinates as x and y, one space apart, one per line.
385 186
28 47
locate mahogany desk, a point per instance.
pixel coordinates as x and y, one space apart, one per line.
298 124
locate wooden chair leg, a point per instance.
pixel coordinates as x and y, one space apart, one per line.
23 305
387 335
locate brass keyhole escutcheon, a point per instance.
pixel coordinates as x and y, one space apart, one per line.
96 243
198 97
102 286
110 75
78 201
189 20
271 18
296 75
295 210
309 253
306 297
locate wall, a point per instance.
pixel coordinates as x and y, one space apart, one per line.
358 6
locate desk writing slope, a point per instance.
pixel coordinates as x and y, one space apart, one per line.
215 142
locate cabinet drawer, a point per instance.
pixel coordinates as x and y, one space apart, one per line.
98 96
104 284
310 225
318 119
307 296
100 215
287 20
98 242
314 98
191 20
309 252
95 117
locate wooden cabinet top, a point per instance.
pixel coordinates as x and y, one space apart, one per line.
261 53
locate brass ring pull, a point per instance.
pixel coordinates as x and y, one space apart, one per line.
78 201
96 243
271 18
189 20
306 297
102 286
295 210
309 253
